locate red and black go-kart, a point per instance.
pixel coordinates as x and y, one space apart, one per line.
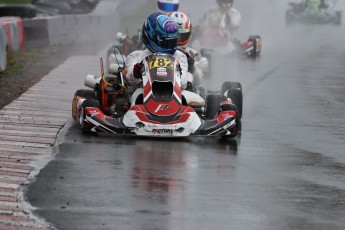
213 42
212 39
162 110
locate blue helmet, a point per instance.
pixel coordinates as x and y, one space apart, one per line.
160 33
168 5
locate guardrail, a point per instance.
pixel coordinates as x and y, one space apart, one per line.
11 37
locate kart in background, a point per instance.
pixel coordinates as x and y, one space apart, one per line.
217 44
125 45
304 13
162 110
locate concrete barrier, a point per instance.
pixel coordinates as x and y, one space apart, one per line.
69 29
36 32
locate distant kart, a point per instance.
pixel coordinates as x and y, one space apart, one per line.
212 38
215 44
162 110
125 44
310 13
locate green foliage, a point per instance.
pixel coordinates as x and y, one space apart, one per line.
15 61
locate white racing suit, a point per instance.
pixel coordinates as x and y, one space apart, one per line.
200 66
139 55
217 29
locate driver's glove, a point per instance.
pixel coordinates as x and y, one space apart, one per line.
191 62
137 71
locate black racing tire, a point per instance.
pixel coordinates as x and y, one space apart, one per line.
87 103
213 105
254 39
236 97
19 10
86 93
231 85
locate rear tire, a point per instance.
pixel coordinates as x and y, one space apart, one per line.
231 85
233 90
213 105
87 103
86 93
236 97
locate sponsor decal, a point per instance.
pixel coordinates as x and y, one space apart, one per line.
162 131
162 107
162 72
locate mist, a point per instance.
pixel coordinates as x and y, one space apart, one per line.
281 44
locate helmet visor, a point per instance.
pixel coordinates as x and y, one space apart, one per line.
183 38
168 7
167 43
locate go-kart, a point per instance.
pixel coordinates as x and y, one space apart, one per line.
221 43
312 12
163 109
125 45
214 43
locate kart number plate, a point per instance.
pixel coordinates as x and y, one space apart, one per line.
161 62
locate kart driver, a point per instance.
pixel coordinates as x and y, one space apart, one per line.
218 26
160 34
227 18
195 64
166 6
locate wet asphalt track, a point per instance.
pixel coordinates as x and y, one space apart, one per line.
284 171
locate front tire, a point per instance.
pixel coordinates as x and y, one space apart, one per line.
256 39
84 126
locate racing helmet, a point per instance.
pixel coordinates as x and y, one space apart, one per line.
160 33
225 4
168 5
184 28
